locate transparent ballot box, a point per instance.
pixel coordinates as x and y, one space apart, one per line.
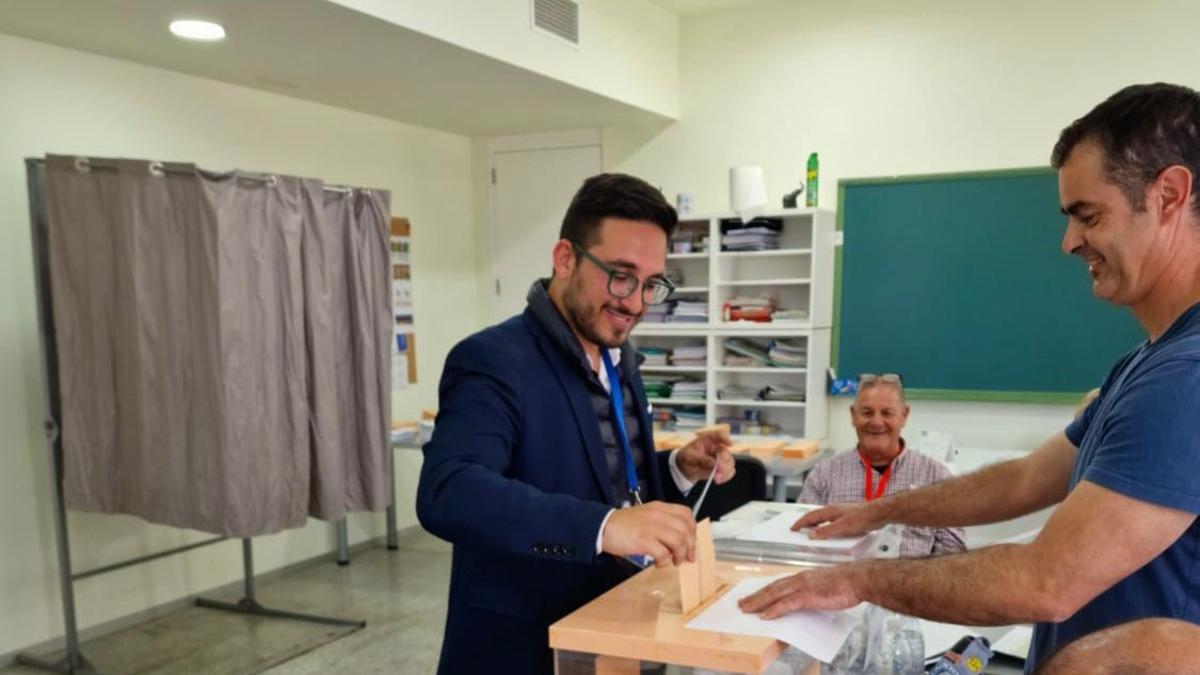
756 532
640 626
790 662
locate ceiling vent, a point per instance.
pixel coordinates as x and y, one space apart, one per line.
559 18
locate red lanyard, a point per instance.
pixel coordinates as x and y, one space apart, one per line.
869 471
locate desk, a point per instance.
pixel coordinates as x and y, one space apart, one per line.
781 470
632 624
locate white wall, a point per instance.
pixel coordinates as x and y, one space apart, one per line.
63 101
628 49
883 88
896 88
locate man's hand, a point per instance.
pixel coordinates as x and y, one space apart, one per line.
842 520
822 588
667 532
696 459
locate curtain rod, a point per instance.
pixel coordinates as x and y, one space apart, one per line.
159 169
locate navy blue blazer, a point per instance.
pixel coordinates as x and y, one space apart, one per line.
516 478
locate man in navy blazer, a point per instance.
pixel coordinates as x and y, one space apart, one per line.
550 496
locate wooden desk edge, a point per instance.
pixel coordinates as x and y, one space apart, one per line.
646 649
753 655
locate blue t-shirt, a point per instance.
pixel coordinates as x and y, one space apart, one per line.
1141 438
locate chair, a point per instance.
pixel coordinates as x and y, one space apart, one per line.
749 483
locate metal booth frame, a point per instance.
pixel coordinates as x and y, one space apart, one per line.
74 662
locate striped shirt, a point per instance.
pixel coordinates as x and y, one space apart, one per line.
840 480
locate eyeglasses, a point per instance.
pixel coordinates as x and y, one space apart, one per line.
622 284
886 378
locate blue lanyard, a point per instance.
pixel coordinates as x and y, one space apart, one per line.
618 406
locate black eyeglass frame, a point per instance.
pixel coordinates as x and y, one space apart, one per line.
647 285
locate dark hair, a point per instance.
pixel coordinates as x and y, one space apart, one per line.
614 195
1142 129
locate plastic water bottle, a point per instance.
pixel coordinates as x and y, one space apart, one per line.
791 662
903 648
851 659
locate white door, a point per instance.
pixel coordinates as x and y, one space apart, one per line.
531 191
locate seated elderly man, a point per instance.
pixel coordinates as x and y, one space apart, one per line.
881 465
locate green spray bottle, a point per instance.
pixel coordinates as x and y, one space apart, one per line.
810 183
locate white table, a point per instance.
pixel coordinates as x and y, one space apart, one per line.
782 470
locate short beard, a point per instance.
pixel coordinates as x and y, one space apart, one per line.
578 316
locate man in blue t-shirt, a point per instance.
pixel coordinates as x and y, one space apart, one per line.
1124 542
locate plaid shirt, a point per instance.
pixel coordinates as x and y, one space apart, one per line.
840 479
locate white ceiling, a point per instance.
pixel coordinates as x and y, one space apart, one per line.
684 7
320 51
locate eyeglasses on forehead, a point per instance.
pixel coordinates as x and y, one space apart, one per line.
889 378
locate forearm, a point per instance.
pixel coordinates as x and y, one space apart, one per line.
993 586
985 496
995 493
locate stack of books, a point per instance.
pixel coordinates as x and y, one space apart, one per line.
783 353
656 387
688 390
689 355
689 419
792 353
654 356
690 309
750 352
658 313
789 315
760 234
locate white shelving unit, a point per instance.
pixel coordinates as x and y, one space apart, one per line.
799 275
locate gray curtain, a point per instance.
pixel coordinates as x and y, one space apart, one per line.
350 338
197 318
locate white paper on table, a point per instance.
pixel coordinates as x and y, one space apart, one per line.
1015 642
818 633
778 530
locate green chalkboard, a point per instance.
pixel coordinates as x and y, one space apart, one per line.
958 282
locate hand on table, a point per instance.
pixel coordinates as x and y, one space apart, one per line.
841 520
821 588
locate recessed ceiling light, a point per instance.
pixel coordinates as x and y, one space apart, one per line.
198 30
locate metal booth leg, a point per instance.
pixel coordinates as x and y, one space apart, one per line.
250 605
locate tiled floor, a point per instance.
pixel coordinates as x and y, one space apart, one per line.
401 594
